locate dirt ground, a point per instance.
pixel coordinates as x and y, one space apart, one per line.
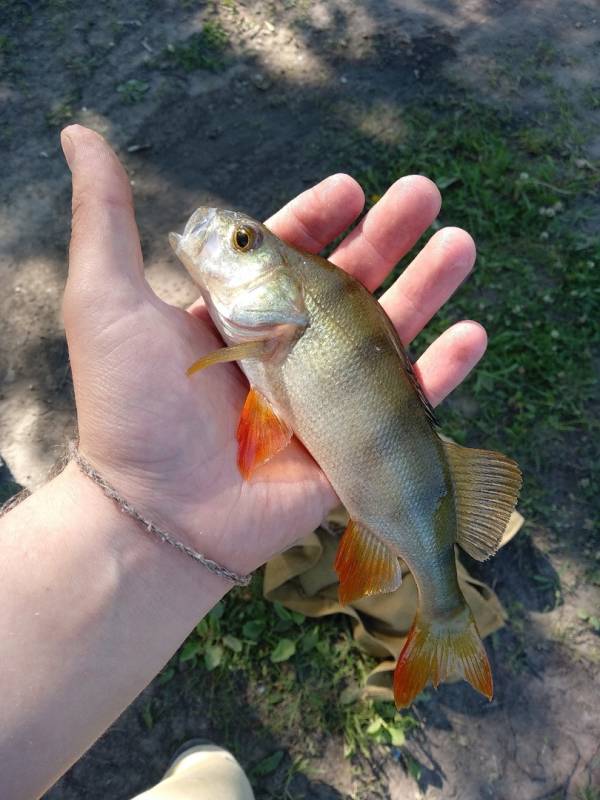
301 86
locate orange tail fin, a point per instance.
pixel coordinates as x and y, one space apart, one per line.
434 650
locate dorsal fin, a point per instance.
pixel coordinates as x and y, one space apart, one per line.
486 487
408 366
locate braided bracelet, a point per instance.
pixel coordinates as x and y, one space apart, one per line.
109 490
212 566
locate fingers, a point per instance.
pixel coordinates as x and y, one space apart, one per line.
105 259
448 361
314 218
431 279
389 230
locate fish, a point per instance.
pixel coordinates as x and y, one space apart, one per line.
324 363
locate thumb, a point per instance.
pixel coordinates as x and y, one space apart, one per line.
105 258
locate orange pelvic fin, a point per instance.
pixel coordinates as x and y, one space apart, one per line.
236 352
364 565
433 651
260 433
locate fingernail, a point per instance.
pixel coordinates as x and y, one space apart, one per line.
68 147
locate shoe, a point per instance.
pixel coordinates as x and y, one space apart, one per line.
208 758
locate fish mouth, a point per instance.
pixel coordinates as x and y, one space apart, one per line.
197 227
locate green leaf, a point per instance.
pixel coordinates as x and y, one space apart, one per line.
282 612
284 650
298 617
217 612
202 627
147 716
268 764
323 648
349 695
133 91
189 650
212 656
166 675
446 181
232 643
582 614
253 629
412 766
397 735
309 640
283 625
374 725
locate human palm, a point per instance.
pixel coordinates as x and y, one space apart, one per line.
166 441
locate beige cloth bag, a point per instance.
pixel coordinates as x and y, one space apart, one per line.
303 579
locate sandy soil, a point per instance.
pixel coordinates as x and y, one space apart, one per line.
301 82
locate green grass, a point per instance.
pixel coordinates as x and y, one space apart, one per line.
591 793
297 673
60 114
202 50
132 91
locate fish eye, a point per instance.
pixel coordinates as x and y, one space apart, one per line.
245 238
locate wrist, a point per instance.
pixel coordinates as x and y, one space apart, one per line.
150 527
129 551
200 517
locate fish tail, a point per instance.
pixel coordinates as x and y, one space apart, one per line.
435 649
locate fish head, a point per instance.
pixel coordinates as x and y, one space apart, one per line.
225 250
242 272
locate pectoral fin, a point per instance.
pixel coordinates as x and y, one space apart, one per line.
236 352
364 565
486 487
260 433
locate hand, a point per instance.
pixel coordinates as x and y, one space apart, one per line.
167 442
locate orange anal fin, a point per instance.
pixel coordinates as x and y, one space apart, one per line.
364 565
260 433
236 352
435 650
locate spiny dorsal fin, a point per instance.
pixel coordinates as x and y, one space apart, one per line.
410 371
408 365
486 487
364 565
